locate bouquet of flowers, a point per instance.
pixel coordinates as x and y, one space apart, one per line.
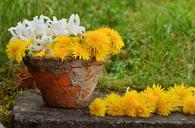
53 38
64 60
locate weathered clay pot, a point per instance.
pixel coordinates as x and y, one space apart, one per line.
67 84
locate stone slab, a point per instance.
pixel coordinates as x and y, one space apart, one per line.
30 111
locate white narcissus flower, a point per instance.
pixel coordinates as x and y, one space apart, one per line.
58 27
38 25
19 31
36 46
42 30
39 44
73 25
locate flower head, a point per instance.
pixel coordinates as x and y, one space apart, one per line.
97 41
61 46
156 90
79 51
58 27
20 31
144 109
100 56
97 107
62 40
16 49
39 44
189 105
115 38
130 102
166 104
181 91
114 104
149 96
38 26
73 25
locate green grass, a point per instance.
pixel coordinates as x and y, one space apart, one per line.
159 38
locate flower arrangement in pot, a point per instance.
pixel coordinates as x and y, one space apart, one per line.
64 60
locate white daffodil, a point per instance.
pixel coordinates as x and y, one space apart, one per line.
36 46
38 25
40 44
58 27
45 39
73 25
19 31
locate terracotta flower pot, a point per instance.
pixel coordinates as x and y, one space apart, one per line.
67 84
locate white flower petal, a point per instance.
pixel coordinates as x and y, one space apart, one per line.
77 20
43 30
12 31
71 19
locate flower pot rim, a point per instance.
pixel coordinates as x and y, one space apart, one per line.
49 58
68 59
62 60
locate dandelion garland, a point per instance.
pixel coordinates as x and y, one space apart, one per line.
62 39
153 100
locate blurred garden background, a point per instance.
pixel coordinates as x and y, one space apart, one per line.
159 38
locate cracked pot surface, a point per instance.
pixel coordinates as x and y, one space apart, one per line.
67 84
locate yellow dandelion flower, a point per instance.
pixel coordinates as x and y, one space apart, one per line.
16 49
166 104
156 90
79 51
117 42
144 109
130 102
97 41
97 107
60 47
62 39
181 91
149 96
114 105
101 56
189 105
60 52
